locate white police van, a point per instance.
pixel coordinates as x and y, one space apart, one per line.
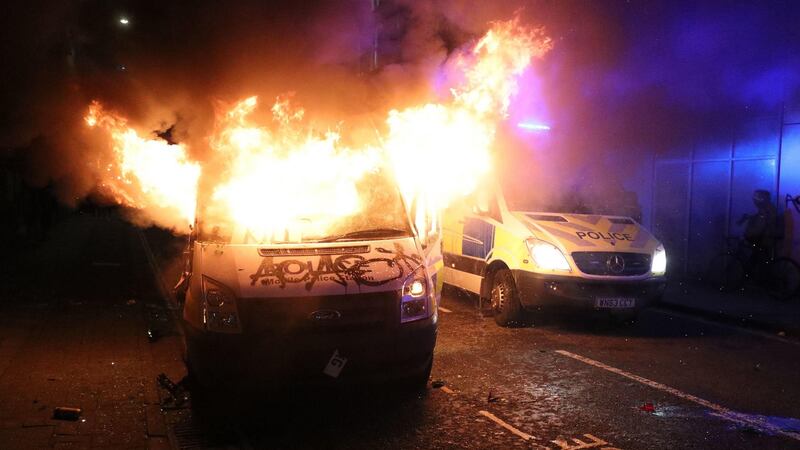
527 260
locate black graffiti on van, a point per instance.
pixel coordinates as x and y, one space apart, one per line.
598 235
341 270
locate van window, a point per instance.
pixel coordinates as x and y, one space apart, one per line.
381 215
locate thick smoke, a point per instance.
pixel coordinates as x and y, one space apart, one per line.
167 70
625 79
169 67
629 80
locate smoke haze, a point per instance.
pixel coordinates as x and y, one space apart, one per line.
626 78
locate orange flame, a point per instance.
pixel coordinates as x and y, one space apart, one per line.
312 176
437 152
149 174
456 139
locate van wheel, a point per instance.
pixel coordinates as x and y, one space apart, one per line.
505 299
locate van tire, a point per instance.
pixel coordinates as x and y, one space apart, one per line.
505 299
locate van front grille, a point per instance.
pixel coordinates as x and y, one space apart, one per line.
328 313
612 263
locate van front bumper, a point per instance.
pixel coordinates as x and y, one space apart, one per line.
272 360
540 290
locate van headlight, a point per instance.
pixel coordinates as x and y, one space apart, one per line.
659 265
220 313
415 303
546 255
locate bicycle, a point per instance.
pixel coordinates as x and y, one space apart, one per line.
742 262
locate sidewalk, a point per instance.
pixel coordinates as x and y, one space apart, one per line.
750 307
74 315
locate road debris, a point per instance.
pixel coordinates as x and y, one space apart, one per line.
436 384
67 413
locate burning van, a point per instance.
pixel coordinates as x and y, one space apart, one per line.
519 260
325 298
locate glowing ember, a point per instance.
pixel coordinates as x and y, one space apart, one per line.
437 153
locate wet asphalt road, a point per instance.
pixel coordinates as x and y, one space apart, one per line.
668 381
565 382
566 377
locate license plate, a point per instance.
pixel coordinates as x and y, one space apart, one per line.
614 302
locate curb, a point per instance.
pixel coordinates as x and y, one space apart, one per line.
790 333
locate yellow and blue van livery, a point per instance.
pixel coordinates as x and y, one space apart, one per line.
522 260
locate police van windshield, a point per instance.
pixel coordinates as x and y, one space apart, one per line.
381 215
623 203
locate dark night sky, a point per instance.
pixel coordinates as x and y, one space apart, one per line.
623 74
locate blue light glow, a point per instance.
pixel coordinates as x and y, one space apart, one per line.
533 126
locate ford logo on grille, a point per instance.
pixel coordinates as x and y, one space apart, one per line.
615 263
325 315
